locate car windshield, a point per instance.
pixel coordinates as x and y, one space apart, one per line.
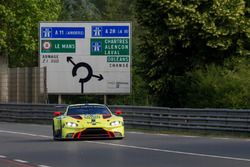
87 109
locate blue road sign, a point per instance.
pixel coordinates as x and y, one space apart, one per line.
110 31
62 32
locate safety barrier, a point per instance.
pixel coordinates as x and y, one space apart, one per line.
146 117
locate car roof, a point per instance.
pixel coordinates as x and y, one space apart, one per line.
86 104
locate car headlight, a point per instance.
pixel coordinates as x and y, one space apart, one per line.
71 124
115 123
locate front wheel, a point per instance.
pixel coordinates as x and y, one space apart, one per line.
57 134
119 138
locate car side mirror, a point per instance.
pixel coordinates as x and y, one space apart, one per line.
57 113
118 112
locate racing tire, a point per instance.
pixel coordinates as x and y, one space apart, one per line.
119 138
57 135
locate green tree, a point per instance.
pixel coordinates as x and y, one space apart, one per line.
79 10
118 10
19 28
220 87
183 35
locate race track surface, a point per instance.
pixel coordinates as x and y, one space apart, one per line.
29 145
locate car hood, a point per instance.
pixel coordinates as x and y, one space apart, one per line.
91 120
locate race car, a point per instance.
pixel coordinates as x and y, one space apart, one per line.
84 121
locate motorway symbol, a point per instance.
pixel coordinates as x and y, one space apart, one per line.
96 31
96 46
46 32
89 69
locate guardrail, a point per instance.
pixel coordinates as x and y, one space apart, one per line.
146 117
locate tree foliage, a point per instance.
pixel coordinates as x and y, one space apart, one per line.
79 10
219 87
183 35
19 28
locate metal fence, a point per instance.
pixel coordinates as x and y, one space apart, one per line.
185 118
23 85
147 117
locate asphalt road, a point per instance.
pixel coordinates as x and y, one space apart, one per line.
28 145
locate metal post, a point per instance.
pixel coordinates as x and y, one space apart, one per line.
59 99
105 99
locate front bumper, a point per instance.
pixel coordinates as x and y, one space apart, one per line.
92 133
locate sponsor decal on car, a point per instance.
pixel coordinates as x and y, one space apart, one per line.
92 117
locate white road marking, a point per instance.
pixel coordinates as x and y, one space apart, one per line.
31 124
170 151
140 148
26 134
161 134
186 136
21 161
139 133
190 136
2 156
43 166
221 138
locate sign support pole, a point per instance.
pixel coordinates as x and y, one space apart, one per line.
59 99
105 99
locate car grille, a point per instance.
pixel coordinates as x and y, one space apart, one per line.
95 133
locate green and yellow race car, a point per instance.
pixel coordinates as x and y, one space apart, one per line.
83 121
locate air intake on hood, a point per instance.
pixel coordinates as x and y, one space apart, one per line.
76 116
105 116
